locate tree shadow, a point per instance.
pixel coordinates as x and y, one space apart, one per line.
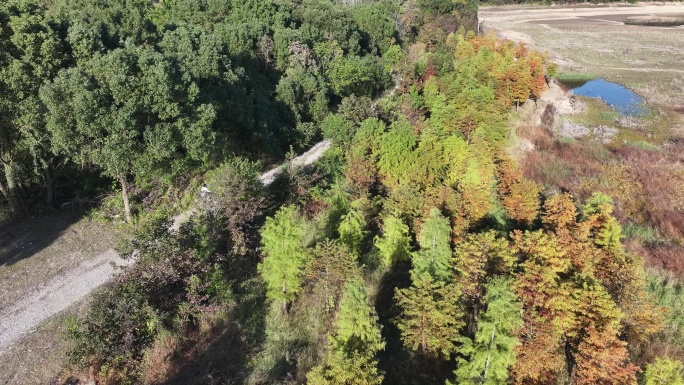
222 355
398 364
24 238
221 358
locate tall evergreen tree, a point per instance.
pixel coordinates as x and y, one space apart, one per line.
434 256
394 245
285 256
357 328
352 231
488 357
430 318
356 340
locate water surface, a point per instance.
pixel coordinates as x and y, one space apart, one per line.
615 95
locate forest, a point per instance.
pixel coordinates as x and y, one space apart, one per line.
415 251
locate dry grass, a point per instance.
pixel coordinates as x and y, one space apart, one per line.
668 257
648 186
661 178
593 40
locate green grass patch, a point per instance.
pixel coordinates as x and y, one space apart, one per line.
597 113
668 292
566 140
574 79
609 115
644 233
653 130
644 145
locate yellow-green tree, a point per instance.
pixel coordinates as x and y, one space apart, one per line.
394 245
664 371
285 256
487 357
430 317
434 256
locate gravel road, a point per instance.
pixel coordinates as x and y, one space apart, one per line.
303 160
25 315
56 295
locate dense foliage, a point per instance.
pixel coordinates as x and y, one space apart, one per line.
415 251
145 92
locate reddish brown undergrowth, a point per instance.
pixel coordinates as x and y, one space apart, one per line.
578 167
668 257
201 355
647 185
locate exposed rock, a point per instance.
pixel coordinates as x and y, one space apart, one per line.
549 115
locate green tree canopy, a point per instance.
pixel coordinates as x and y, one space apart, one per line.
430 318
357 329
284 255
664 371
394 245
434 256
488 357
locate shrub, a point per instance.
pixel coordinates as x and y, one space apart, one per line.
117 328
179 276
338 129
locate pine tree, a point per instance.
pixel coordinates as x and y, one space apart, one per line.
285 256
540 359
326 275
560 213
491 352
342 369
664 371
430 317
395 243
455 156
599 356
434 256
520 197
475 187
354 344
602 359
478 256
357 328
352 231
396 153
604 228
538 283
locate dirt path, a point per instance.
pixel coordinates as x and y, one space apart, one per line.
56 295
27 313
303 160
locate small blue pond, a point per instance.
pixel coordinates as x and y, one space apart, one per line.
620 98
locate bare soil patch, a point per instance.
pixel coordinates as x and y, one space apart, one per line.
38 249
34 254
40 356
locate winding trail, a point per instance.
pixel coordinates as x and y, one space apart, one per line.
26 315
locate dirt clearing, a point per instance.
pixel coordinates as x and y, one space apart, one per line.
39 257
